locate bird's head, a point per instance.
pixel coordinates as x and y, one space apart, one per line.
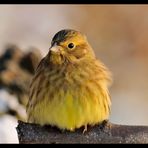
69 46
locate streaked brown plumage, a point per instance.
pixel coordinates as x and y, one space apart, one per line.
70 86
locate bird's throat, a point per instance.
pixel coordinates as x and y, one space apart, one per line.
56 59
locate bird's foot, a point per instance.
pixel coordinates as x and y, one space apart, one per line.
85 129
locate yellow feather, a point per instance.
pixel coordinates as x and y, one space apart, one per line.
71 94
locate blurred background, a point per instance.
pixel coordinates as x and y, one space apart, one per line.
117 33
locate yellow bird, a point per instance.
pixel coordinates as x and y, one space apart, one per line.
70 86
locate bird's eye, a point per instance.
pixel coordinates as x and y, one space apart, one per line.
71 45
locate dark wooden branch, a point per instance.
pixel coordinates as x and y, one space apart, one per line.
104 133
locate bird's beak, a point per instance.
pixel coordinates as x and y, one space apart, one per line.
55 49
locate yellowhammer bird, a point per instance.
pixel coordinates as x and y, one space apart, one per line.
70 86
